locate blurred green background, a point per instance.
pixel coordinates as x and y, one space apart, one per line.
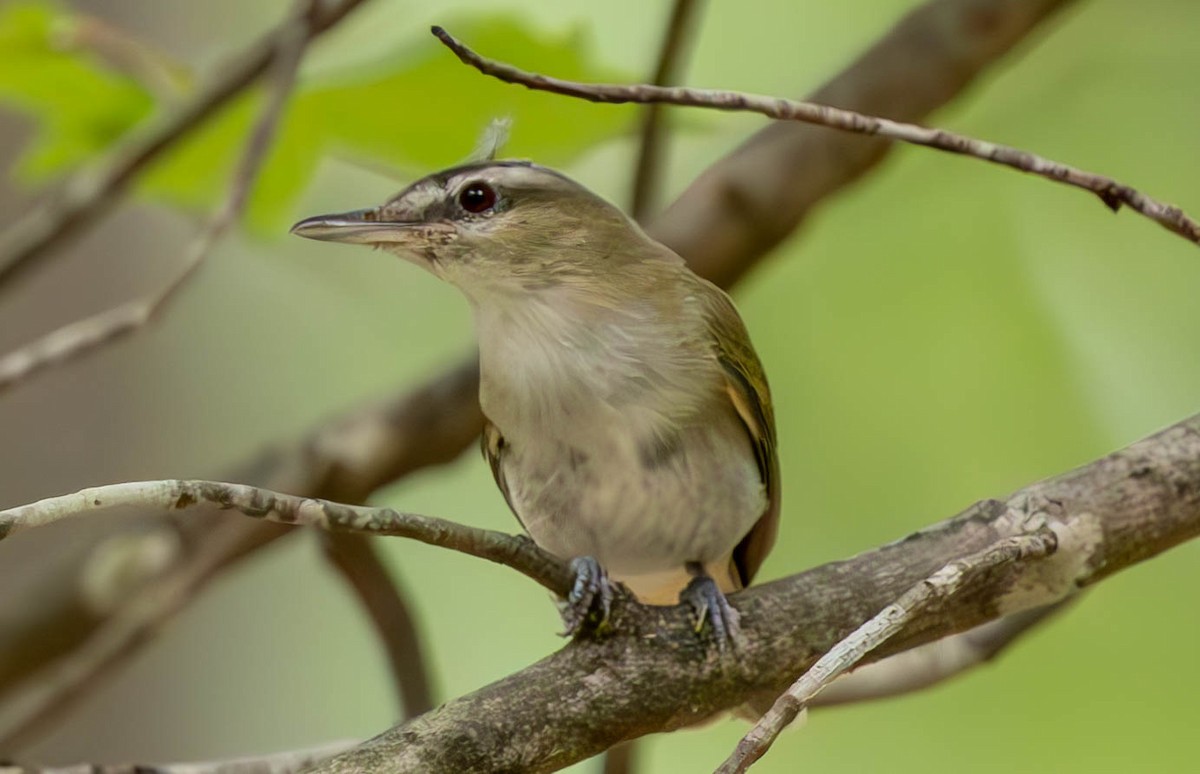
942 332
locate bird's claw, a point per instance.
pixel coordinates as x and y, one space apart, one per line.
709 604
592 589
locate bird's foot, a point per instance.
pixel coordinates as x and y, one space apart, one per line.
590 598
710 605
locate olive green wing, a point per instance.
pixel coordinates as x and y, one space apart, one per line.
746 387
493 445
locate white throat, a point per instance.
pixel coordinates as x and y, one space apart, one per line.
555 365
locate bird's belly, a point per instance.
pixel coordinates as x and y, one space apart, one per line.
635 510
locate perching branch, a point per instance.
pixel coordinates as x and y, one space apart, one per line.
653 674
355 559
90 193
1111 192
514 551
648 170
845 655
724 224
83 336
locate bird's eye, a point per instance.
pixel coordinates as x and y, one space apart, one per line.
477 197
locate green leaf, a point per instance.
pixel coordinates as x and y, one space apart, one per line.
418 111
80 108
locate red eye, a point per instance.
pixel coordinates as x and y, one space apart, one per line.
477 197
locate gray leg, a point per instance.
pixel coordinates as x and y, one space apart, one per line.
710 605
592 589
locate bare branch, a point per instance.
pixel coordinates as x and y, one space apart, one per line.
79 338
514 551
748 202
1112 193
277 763
92 192
654 674
354 558
927 665
670 59
843 656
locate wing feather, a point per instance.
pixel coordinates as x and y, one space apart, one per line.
746 386
492 444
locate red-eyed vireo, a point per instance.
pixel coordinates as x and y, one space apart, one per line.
629 424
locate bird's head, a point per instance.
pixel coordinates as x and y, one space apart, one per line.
494 226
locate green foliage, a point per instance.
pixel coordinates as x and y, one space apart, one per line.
416 110
80 107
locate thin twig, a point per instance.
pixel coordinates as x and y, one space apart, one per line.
927 665
943 584
158 601
83 336
89 194
274 763
513 551
1112 193
648 172
355 558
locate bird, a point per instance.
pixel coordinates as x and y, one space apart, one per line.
628 420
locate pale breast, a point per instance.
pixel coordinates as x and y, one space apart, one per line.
620 441
637 502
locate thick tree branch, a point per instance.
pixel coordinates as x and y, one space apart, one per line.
842 657
354 558
90 194
1113 194
648 169
653 674
723 224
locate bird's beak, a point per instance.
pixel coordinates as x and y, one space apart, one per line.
357 227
